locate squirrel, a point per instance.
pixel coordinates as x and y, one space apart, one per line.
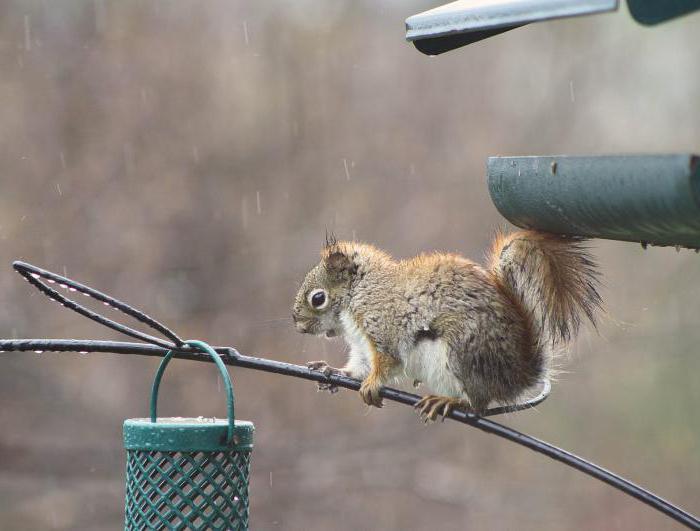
472 334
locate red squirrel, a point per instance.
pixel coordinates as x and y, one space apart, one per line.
473 334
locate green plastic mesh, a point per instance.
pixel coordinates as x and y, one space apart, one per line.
187 490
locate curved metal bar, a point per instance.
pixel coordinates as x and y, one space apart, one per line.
32 274
231 356
204 347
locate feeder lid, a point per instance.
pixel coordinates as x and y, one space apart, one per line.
463 22
182 434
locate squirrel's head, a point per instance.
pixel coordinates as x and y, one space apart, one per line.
327 288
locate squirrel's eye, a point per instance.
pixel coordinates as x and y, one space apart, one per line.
318 299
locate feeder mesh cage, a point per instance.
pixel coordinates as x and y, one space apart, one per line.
187 490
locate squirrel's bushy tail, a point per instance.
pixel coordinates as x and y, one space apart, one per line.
554 277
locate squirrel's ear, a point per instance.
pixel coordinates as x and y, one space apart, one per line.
340 264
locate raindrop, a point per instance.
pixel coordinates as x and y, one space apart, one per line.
58 187
571 91
244 211
27 34
257 202
347 171
245 33
63 160
195 154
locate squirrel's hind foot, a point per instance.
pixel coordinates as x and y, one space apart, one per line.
430 406
327 370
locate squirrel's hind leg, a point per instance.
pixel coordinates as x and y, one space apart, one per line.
430 406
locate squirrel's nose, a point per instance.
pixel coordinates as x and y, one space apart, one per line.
301 327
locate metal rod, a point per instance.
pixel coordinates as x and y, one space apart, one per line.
232 357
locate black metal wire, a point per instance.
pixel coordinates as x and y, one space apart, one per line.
32 274
231 356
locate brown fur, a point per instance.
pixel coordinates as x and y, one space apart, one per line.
557 271
472 334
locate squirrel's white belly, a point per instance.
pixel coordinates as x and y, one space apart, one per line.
427 362
358 364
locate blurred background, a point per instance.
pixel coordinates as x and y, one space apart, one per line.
188 157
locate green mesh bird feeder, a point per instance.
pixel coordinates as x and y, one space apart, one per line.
188 473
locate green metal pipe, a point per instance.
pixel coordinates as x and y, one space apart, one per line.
652 199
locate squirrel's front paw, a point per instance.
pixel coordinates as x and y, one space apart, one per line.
369 390
327 370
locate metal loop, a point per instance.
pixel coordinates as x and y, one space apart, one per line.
200 345
32 274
